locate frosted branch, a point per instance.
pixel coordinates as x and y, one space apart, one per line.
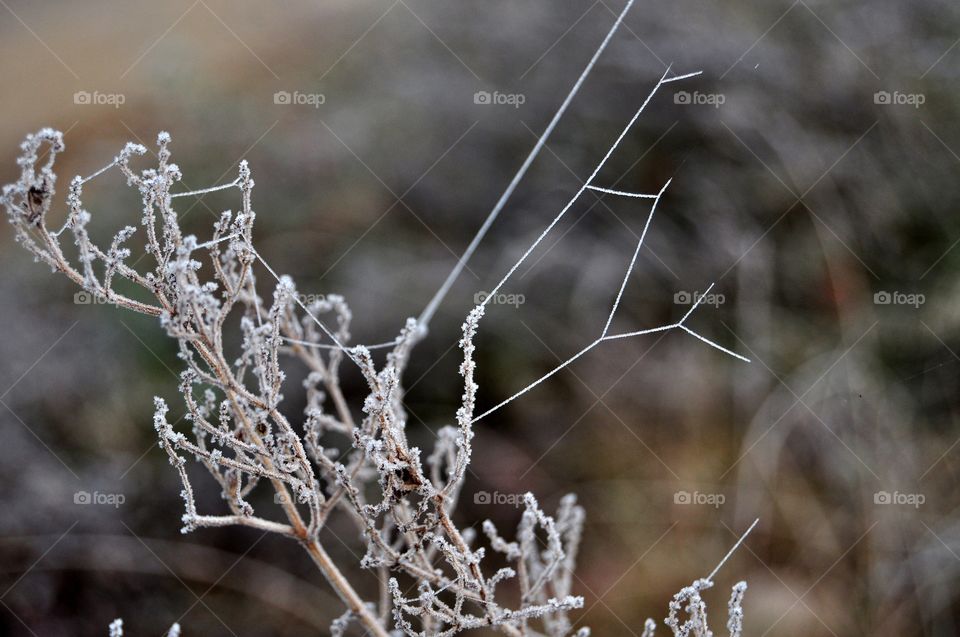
347 457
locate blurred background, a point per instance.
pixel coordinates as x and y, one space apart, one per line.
814 168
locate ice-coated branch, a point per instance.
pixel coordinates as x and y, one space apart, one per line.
240 433
116 629
344 456
689 601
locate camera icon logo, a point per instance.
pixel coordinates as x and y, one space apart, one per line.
682 97
282 97
282 498
83 298
82 97
482 497
882 298
682 497
82 497
882 497
682 298
482 97
882 97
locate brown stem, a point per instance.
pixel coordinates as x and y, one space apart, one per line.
343 588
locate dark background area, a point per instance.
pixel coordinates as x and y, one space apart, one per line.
803 196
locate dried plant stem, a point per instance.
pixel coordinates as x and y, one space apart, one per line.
343 588
364 467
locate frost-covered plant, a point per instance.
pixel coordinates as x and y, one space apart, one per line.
432 574
243 438
688 600
116 629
